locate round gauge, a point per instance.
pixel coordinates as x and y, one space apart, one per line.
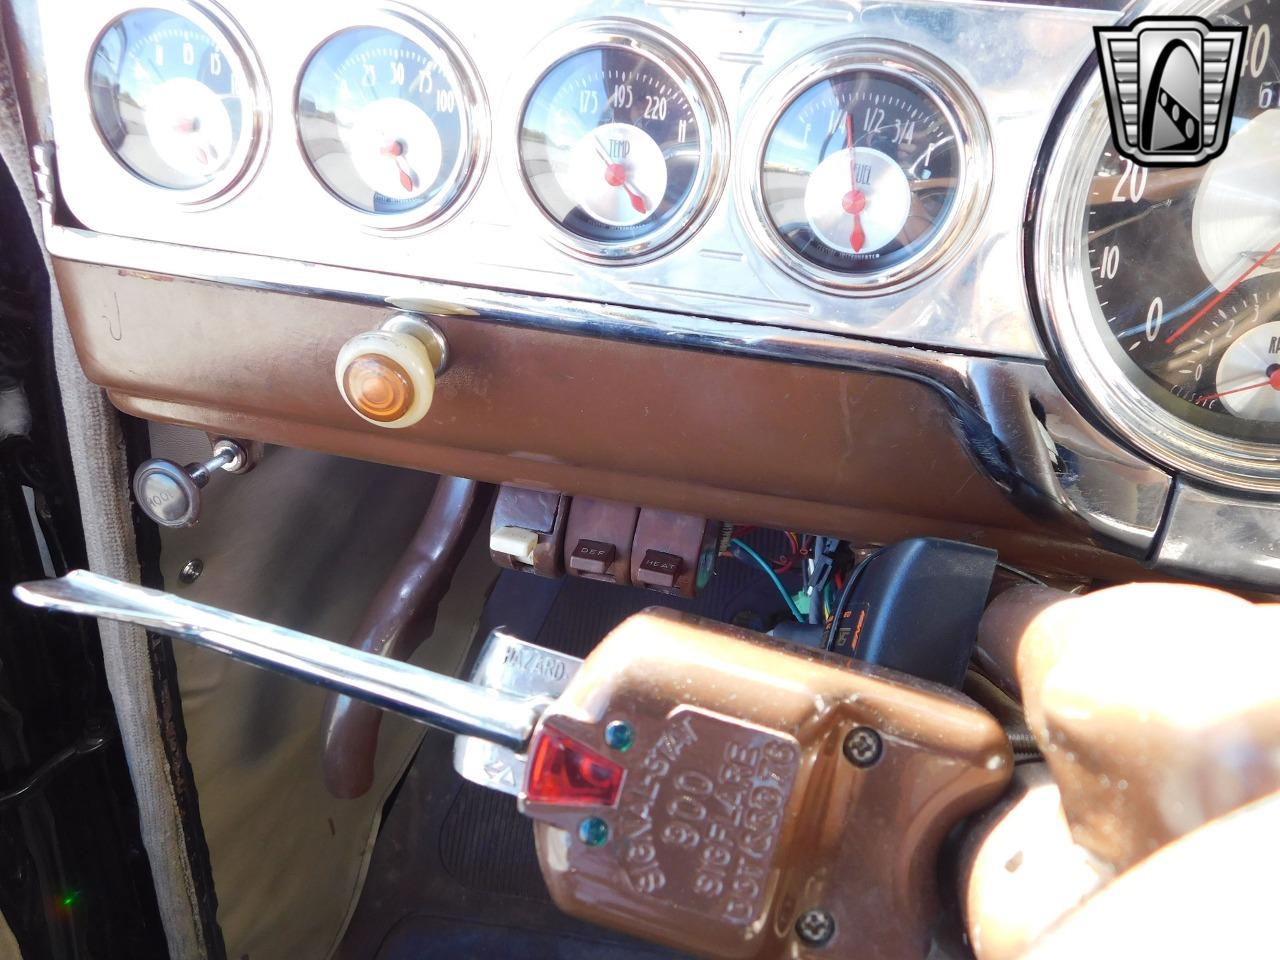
621 144
865 174
387 118
173 98
1167 303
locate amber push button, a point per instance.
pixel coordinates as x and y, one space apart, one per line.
388 376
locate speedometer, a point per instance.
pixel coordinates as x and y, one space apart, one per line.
1166 300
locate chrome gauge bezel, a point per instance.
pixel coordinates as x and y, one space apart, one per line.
699 90
250 151
473 112
1073 320
942 86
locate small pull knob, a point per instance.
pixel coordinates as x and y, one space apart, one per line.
388 376
170 494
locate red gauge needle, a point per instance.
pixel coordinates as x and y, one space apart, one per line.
189 125
615 174
1199 314
855 201
1273 381
396 150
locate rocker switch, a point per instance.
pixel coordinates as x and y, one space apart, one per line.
592 556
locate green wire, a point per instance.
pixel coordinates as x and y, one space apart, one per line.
764 565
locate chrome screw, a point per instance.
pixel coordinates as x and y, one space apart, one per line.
863 746
816 927
191 570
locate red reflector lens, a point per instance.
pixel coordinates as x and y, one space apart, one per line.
563 771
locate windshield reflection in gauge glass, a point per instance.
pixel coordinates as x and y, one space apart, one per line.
383 122
612 148
170 100
1186 261
860 172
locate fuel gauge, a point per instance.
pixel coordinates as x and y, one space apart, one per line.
869 171
622 142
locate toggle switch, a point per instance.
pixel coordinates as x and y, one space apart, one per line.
673 553
388 376
527 530
170 494
597 540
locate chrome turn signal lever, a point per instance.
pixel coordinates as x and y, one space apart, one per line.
692 783
170 494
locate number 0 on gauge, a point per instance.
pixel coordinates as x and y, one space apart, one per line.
621 142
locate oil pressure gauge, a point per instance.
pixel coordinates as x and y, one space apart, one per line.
391 120
869 172
175 98
621 142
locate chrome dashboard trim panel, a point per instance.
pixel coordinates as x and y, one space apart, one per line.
1010 414
1015 58
1219 537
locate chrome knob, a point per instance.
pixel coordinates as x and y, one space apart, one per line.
170 494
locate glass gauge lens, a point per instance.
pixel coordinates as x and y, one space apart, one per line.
861 172
613 147
1184 263
171 100
384 122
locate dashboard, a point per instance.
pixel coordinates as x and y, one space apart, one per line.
871 269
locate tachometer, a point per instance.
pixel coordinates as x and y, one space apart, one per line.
1165 303
389 117
174 98
866 174
621 143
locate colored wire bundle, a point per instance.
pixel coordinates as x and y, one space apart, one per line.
763 564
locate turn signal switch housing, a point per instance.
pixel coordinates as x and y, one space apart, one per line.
388 376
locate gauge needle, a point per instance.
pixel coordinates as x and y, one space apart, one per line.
1199 314
855 201
615 174
204 152
396 150
1273 381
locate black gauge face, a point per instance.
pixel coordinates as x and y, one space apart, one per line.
384 123
1186 261
861 172
171 102
611 146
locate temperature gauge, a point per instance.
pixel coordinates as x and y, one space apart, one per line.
387 116
173 98
867 171
621 143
